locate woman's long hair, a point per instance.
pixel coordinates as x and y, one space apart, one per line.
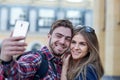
91 58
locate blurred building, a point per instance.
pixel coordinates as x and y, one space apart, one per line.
42 13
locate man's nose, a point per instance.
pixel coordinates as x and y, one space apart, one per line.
62 40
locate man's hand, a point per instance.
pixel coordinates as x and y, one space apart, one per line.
12 46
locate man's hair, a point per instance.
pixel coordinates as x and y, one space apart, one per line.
63 22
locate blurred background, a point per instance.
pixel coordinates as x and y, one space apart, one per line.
102 15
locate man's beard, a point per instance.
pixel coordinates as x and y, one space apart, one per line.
52 50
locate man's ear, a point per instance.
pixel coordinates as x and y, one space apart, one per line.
49 35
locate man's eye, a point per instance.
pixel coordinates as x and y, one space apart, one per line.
68 39
59 36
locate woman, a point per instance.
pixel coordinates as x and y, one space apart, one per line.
84 61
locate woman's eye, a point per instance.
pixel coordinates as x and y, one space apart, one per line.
83 43
73 42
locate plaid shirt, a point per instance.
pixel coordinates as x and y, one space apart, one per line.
1 72
26 66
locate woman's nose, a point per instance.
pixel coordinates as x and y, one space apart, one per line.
76 46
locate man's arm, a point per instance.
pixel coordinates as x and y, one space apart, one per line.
25 67
1 73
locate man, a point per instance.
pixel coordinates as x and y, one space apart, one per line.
26 66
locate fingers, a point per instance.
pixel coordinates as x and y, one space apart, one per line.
15 48
68 57
11 34
12 46
9 45
14 43
16 38
12 53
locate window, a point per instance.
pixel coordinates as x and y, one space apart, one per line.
3 18
46 17
48 0
75 16
17 13
74 0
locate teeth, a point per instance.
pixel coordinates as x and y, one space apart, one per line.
76 52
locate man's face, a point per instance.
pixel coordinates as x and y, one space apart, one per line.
59 40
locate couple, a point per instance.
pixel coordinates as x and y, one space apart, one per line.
78 48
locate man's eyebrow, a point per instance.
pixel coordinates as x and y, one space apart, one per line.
63 35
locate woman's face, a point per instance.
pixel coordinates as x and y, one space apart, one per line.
79 47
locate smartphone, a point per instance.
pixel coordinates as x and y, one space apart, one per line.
21 29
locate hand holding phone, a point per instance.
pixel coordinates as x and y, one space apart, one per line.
20 29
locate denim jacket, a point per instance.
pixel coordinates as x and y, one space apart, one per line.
90 74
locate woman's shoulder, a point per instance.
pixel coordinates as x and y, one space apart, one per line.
91 67
91 73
